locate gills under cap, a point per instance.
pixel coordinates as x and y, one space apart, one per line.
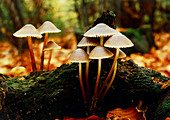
100 30
48 27
121 53
51 45
99 52
27 30
79 56
86 41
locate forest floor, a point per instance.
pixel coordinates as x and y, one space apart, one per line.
157 59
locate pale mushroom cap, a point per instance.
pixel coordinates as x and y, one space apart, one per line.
48 27
51 45
100 30
121 53
79 55
86 41
27 30
99 52
118 41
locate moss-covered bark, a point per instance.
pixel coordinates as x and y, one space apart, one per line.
57 93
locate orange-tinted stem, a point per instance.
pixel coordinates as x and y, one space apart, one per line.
110 73
49 59
42 53
31 54
81 84
98 78
87 75
111 81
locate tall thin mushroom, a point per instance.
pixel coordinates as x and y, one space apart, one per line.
29 31
87 42
121 55
99 52
51 45
80 56
117 41
100 30
46 27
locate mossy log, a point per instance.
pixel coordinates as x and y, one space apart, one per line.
49 95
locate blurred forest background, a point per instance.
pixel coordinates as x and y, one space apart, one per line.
139 18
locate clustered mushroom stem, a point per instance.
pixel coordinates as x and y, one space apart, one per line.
111 81
110 73
87 75
101 40
31 54
49 59
42 54
81 84
98 78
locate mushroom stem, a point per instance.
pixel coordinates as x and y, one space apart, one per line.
101 40
42 54
81 84
111 81
98 78
87 74
31 54
110 73
49 59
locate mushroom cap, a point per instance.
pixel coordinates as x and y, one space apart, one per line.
99 52
121 53
86 41
79 55
100 30
51 45
27 30
48 27
118 41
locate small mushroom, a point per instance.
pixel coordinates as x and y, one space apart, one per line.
87 41
99 52
46 27
51 45
100 30
121 55
29 31
117 41
80 56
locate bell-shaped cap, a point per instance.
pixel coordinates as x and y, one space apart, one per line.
27 30
118 41
48 27
99 52
79 56
100 30
51 45
86 41
121 53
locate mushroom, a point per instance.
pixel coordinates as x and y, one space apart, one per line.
86 41
99 52
80 56
51 45
100 30
117 41
29 31
46 27
121 55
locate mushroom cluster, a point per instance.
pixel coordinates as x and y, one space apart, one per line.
110 38
29 31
